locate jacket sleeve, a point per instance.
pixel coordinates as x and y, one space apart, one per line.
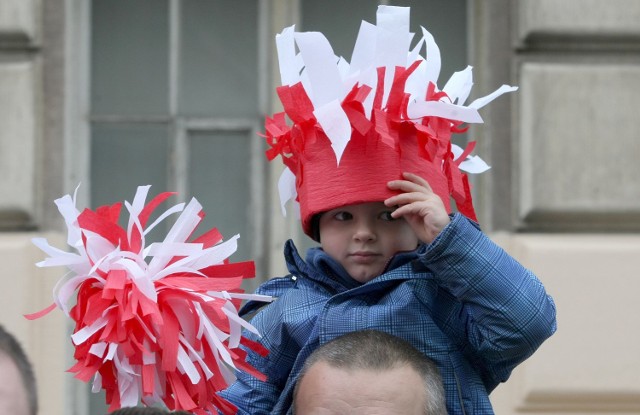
253 396
505 313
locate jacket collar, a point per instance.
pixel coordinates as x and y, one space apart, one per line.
323 269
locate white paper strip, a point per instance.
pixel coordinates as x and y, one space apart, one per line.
232 314
336 126
57 256
444 110
194 356
393 36
83 334
64 290
289 69
481 102
286 188
67 208
364 49
321 67
217 254
175 209
473 164
97 349
187 366
135 208
459 86
433 57
179 232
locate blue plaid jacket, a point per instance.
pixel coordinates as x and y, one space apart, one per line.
461 300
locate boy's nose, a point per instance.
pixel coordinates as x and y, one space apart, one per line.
364 233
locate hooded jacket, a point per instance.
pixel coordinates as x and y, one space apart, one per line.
461 300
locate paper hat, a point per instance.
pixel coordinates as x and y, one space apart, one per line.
156 324
354 127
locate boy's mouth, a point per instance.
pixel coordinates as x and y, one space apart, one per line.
364 256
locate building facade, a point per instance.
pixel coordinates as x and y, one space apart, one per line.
111 94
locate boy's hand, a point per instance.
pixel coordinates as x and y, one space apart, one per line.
419 206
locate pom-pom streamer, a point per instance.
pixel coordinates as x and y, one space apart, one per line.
154 323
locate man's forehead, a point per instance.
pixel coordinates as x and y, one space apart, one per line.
327 390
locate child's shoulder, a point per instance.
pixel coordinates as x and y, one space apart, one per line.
292 295
280 289
275 287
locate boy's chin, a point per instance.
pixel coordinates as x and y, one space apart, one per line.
364 276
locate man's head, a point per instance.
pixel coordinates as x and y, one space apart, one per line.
363 238
17 382
369 372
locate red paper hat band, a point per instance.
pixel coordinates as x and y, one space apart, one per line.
366 166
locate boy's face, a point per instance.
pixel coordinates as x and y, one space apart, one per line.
363 238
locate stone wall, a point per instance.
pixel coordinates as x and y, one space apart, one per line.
24 162
564 196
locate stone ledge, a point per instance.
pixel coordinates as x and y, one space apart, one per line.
19 22
577 20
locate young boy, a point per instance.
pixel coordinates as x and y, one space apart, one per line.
391 257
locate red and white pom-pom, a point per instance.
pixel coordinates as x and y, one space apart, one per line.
155 323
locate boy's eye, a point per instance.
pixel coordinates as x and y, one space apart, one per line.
386 215
343 216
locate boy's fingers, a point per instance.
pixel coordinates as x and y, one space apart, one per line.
408 186
398 211
412 183
405 207
410 209
405 198
401 211
417 179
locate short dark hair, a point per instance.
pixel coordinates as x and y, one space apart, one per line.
10 347
315 226
379 351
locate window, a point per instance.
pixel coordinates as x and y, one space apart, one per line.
175 104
